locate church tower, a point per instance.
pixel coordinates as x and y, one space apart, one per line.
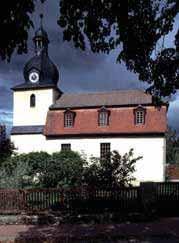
33 98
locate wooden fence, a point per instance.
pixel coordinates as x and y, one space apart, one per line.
167 198
92 200
162 197
17 201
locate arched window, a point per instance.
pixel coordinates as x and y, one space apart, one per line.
32 100
139 115
69 118
103 117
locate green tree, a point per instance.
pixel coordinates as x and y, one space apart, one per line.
65 169
172 147
6 146
41 170
6 149
14 174
115 170
22 171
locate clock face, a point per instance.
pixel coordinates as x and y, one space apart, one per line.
34 77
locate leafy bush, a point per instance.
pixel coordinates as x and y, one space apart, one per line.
41 170
20 171
15 178
66 169
115 170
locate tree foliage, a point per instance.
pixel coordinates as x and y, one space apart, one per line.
20 171
113 171
41 170
15 22
63 169
135 27
66 169
172 147
6 146
14 174
6 149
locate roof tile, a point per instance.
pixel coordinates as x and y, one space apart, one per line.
113 98
27 130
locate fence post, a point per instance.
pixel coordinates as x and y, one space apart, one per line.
148 195
21 201
84 191
62 198
24 200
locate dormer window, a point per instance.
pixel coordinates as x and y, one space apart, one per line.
139 115
69 117
32 100
103 117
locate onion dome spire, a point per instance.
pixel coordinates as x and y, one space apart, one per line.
40 70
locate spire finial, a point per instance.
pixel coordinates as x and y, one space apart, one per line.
41 19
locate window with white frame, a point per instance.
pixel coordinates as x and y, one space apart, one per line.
103 117
140 116
69 119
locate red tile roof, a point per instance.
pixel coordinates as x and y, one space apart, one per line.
121 121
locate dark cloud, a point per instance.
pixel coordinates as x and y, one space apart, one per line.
79 71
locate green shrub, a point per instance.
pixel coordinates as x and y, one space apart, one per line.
41 170
66 169
113 171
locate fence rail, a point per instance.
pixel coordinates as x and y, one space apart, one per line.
15 201
164 197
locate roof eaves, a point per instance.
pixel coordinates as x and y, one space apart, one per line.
55 107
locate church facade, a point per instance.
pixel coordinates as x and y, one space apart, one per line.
46 119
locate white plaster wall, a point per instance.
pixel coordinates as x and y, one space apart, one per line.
150 168
26 115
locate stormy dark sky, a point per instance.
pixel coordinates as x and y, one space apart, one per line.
79 71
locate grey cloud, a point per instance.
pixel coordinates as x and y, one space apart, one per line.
173 120
5 98
6 116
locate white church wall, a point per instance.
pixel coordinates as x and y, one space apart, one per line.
149 168
24 114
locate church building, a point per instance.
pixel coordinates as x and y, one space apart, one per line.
46 119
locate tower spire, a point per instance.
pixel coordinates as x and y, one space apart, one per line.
41 20
41 38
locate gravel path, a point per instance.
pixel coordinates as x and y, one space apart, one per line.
163 230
